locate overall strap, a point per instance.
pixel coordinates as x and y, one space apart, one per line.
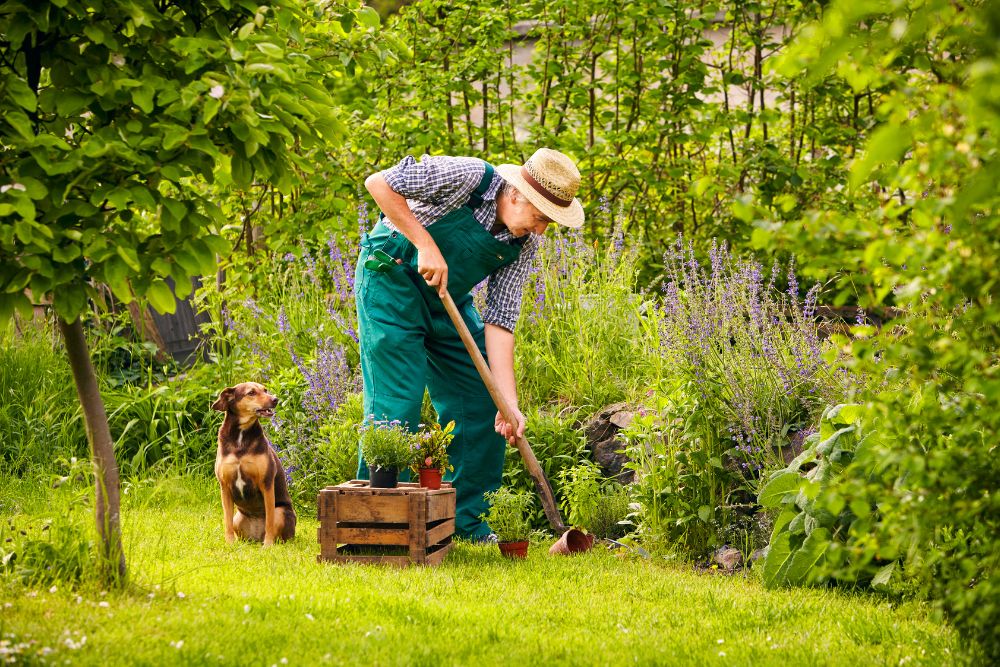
476 198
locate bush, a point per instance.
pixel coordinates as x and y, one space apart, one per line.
592 502
815 521
558 445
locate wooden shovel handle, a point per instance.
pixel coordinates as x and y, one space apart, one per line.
534 469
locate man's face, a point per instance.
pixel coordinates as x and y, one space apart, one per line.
520 216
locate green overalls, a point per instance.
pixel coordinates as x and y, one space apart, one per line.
408 342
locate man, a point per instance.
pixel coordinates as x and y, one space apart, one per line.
447 223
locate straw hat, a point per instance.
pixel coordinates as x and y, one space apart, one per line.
549 180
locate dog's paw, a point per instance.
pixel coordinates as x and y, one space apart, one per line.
230 538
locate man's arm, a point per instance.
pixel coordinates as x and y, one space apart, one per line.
430 261
500 352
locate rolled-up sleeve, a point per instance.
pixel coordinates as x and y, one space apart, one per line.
438 179
505 287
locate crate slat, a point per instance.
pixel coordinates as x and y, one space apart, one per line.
441 532
440 506
399 537
438 556
377 509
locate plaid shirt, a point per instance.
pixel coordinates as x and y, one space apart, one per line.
440 184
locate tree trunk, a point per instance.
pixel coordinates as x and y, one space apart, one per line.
107 510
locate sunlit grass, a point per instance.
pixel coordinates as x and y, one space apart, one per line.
196 600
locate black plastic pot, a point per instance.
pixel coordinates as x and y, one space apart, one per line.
383 478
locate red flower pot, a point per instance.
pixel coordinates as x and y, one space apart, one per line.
514 549
572 541
430 478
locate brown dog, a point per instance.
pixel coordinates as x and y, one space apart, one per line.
248 469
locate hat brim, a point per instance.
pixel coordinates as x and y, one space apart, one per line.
568 216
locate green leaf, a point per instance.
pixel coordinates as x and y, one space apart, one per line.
65 254
242 171
21 93
884 575
368 17
116 277
804 560
20 122
782 484
886 144
845 413
128 254
143 98
69 301
271 50
779 553
174 136
160 297
9 303
705 513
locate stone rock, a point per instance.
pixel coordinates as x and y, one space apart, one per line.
603 442
727 558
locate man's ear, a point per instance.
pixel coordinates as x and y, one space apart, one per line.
225 399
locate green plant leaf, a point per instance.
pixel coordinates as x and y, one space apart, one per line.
160 297
884 575
779 553
778 487
21 93
805 559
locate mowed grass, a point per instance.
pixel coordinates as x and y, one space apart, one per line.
195 600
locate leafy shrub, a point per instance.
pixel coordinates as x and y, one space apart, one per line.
752 353
508 515
681 482
593 502
168 424
741 366
558 444
339 440
813 515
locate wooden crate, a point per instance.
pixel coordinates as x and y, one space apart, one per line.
401 526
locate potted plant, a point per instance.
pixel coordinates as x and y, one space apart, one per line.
387 447
430 459
508 518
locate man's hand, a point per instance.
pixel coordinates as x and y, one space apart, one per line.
433 268
510 431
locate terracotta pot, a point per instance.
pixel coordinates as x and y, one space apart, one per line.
430 478
383 478
573 541
514 549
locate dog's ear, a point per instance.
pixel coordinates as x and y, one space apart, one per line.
225 399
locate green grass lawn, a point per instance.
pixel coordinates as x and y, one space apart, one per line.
196 600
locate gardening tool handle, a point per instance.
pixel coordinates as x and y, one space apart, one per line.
534 469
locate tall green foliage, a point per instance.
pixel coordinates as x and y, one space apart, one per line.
671 110
111 116
928 243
